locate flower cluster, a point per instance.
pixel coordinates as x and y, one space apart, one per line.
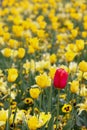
43 64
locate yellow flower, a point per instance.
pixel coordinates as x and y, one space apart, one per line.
85 18
43 118
76 16
12 74
43 80
64 67
74 86
40 18
17 30
34 92
13 43
83 6
19 116
28 101
83 128
74 32
69 24
26 66
80 44
14 54
34 42
83 66
71 47
60 37
2 41
84 34
17 20
85 75
31 50
3 86
72 67
52 71
6 52
32 65
33 123
85 25
83 91
21 52
3 116
6 36
36 110
13 104
79 75
33 27
53 58
55 25
63 96
82 106
41 65
66 108
42 24
41 33
69 55
38 121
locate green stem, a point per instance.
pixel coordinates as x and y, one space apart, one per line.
57 109
14 115
7 127
49 101
40 101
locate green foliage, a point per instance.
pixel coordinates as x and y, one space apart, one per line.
81 120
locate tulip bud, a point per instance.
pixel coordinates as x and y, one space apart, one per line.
60 78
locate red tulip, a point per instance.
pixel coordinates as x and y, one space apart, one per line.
60 78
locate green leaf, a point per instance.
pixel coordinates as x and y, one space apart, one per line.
68 125
14 115
24 126
7 126
50 124
81 120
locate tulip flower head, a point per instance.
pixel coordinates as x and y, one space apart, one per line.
60 78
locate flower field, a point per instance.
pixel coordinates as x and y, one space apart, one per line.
43 65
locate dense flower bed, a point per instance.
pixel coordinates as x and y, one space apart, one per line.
43 65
